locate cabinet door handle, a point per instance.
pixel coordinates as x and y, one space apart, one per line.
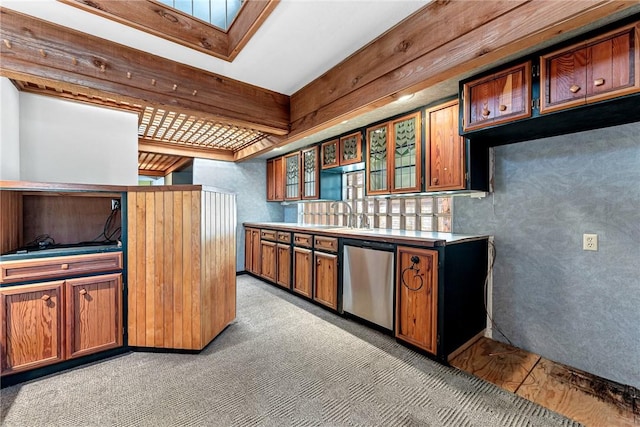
485 112
82 291
574 89
64 266
45 297
598 82
434 181
503 107
318 262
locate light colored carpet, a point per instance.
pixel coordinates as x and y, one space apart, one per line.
283 362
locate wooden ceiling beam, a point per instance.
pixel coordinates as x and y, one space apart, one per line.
36 49
182 28
414 55
184 151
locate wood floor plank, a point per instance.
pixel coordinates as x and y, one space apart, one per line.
496 362
548 385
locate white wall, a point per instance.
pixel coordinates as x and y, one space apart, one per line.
9 131
70 142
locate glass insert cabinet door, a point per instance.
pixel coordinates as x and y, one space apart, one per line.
394 156
377 160
330 154
292 176
406 156
351 149
310 181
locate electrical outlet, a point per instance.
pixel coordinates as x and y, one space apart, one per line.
115 204
590 242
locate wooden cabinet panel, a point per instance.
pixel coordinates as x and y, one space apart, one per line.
445 149
275 179
284 265
268 235
31 326
271 181
304 240
284 237
594 70
302 271
53 267
278 177
93 314
329 244
10 220
417 297
498 98
326 279
268 260
252 260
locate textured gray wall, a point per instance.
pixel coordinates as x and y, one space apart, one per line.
549 296
248 181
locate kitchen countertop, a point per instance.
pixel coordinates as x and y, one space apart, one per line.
425 238
62 251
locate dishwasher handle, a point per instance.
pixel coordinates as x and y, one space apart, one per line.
368 244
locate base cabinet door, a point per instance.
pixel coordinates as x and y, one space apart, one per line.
252 250
326 279
416 298
302 271
94 314
284 265
31 326
268 260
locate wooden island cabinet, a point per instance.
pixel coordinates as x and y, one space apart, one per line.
61 299
181 260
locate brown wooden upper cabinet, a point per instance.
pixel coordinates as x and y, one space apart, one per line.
445 148
341 152
394 156
292 176
329 151
275 179
594 70
498 98
310 176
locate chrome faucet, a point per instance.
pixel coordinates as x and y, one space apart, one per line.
364 220
350 215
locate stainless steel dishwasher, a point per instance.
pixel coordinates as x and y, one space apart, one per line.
367 290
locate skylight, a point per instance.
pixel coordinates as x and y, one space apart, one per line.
216 12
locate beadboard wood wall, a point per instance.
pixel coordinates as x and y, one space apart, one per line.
181 266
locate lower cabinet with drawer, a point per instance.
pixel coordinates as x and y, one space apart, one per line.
303 264
325 278
52 321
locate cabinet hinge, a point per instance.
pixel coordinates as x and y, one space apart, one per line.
466 176
535 103
535 70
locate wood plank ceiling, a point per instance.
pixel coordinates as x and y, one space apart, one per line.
188 112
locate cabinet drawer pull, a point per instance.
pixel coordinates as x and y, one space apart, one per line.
45 297
598 82
82 291
503 107
574 89
64 266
